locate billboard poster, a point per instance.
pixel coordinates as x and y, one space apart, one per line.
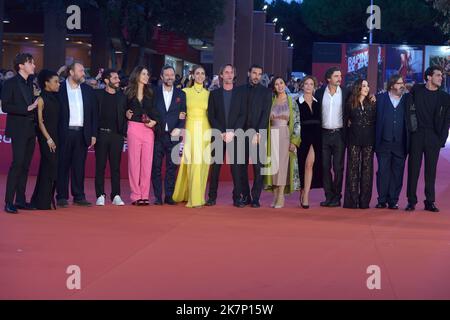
357 56
439 55
405 60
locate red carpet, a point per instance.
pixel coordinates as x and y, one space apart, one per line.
227 253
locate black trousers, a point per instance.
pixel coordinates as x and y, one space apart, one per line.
423 143
163 148
109 146
258 178
333 150
72 161
44 191
391 160
359 178
235 173
22 153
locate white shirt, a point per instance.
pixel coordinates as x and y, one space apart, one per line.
301 99
332 109
167 100
75 105
395 101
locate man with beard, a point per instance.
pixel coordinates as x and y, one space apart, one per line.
332 98
259 102
170 102
112 128
227 108
392 141
77 130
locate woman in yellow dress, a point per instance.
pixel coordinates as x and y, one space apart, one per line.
193 172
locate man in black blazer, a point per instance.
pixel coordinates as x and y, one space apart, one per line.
77 129
170 102
332 98
393 127
227 110
259 103
112 128
432 110
17 102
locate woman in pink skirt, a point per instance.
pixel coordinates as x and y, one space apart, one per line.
143 118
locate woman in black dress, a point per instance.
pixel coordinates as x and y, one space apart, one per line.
48 108
360 117
310 151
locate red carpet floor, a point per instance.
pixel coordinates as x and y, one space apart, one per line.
227 253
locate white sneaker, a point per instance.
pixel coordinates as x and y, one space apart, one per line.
100 201
117 201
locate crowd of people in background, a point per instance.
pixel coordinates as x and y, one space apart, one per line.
296 136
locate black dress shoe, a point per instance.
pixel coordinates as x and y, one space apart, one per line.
62 203
136 203
429 206
247 200
10 208
325 203
145 202
334 204
158 202
26 206
238 204
82 203
169 201
210 202
256 204
410 207
381 205
393 206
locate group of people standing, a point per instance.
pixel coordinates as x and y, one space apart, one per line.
291 145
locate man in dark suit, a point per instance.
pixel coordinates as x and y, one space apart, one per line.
259 103
77 129
392 141
432 109
17 102
227 109
112 128
332 98
170 102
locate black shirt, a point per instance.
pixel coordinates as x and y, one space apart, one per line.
27 89
362 125
251 94
426 107
227 95
141 107
108 112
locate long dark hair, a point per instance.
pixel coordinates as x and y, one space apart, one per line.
274 90
133 81
195 68
356 92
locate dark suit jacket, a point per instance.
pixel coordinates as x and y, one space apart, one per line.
121 109
442 115
170 117
383 102
238 110
345 95
258 113
90 113
15 102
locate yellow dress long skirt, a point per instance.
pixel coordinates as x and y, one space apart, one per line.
192 175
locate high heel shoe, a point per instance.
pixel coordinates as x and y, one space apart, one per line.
304 206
